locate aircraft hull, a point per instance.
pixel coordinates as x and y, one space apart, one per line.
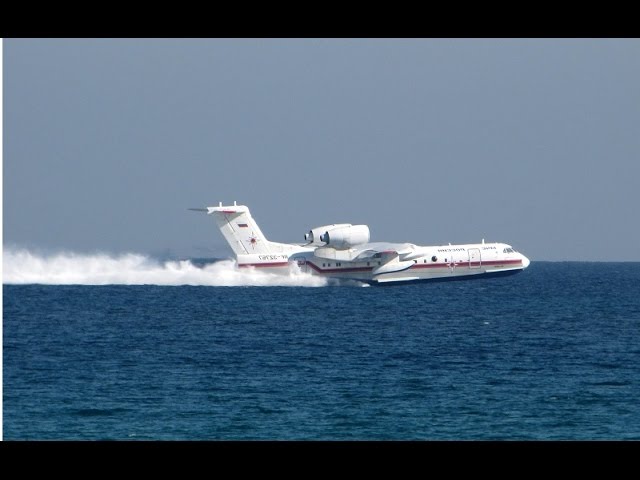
343 251
418 272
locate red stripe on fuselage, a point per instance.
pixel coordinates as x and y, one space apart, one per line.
343 270
489 263
266 264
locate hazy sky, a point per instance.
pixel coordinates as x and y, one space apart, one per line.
533 142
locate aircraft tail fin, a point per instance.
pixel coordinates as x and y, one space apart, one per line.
239 229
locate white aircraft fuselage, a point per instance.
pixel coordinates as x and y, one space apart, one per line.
343 251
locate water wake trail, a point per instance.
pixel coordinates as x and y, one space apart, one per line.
21 266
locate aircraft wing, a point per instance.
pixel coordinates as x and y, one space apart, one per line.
375 254
386 251
390 257
379 251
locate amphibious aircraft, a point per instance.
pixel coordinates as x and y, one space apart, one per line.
344 251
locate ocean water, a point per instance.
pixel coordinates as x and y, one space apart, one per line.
550 353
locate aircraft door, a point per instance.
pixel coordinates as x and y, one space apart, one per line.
475 260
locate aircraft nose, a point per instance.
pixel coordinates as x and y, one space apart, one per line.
525 261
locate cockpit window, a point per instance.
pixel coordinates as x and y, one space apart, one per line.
508 250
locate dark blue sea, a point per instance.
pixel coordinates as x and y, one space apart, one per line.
550 353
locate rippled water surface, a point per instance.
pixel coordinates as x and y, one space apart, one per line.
551 353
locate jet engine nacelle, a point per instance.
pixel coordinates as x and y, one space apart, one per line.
313 236
345 237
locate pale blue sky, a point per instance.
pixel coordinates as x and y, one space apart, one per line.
534 142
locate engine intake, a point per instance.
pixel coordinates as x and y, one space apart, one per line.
314 235
346 236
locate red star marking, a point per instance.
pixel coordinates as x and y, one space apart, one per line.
253 240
